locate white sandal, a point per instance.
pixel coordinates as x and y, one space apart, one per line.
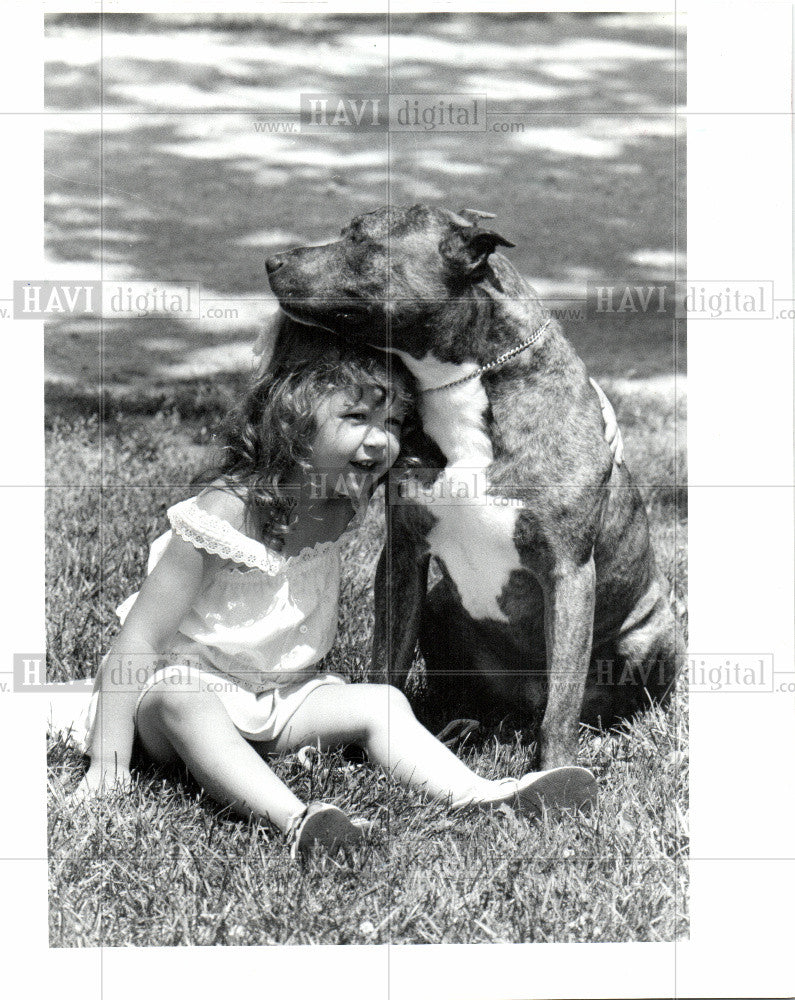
326 826
557 790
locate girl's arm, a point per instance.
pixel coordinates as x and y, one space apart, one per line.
165 597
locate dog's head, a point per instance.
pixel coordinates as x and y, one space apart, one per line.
393 275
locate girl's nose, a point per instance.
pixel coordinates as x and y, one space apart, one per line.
375 437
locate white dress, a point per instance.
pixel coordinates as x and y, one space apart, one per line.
258 627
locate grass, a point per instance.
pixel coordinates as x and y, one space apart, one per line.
166 865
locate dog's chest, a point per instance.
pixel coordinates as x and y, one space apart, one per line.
475 541
473 532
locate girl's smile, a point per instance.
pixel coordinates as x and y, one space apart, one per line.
357 440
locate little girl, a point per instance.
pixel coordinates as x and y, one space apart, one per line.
215 664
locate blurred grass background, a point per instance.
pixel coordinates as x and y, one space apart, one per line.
156 169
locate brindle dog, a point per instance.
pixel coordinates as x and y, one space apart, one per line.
549 590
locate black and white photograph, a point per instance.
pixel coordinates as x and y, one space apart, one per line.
365 502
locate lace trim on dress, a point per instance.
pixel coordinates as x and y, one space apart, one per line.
213 534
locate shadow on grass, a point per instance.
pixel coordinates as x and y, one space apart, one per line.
192 190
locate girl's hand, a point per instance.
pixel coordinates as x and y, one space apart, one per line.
612 431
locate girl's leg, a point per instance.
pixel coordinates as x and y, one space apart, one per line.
194 726
379 718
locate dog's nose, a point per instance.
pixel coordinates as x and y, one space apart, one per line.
273 264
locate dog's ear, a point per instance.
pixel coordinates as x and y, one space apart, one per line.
468 249
474 215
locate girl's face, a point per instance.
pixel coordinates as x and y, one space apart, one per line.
357 440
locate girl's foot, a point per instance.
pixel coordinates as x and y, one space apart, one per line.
325 826
556 790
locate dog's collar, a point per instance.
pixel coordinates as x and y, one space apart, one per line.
495 363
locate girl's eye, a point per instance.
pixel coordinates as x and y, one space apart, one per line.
396 423
358 415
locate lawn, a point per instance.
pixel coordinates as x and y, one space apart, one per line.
168 866
180 185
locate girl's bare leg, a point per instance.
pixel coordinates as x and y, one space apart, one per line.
379 718
194 727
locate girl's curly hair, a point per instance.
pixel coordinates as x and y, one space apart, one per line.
270 433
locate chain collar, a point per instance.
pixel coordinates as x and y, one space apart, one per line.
496 362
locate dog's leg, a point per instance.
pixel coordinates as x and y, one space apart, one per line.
568 628
401 580
650 655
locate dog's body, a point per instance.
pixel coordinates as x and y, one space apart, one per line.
542 540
